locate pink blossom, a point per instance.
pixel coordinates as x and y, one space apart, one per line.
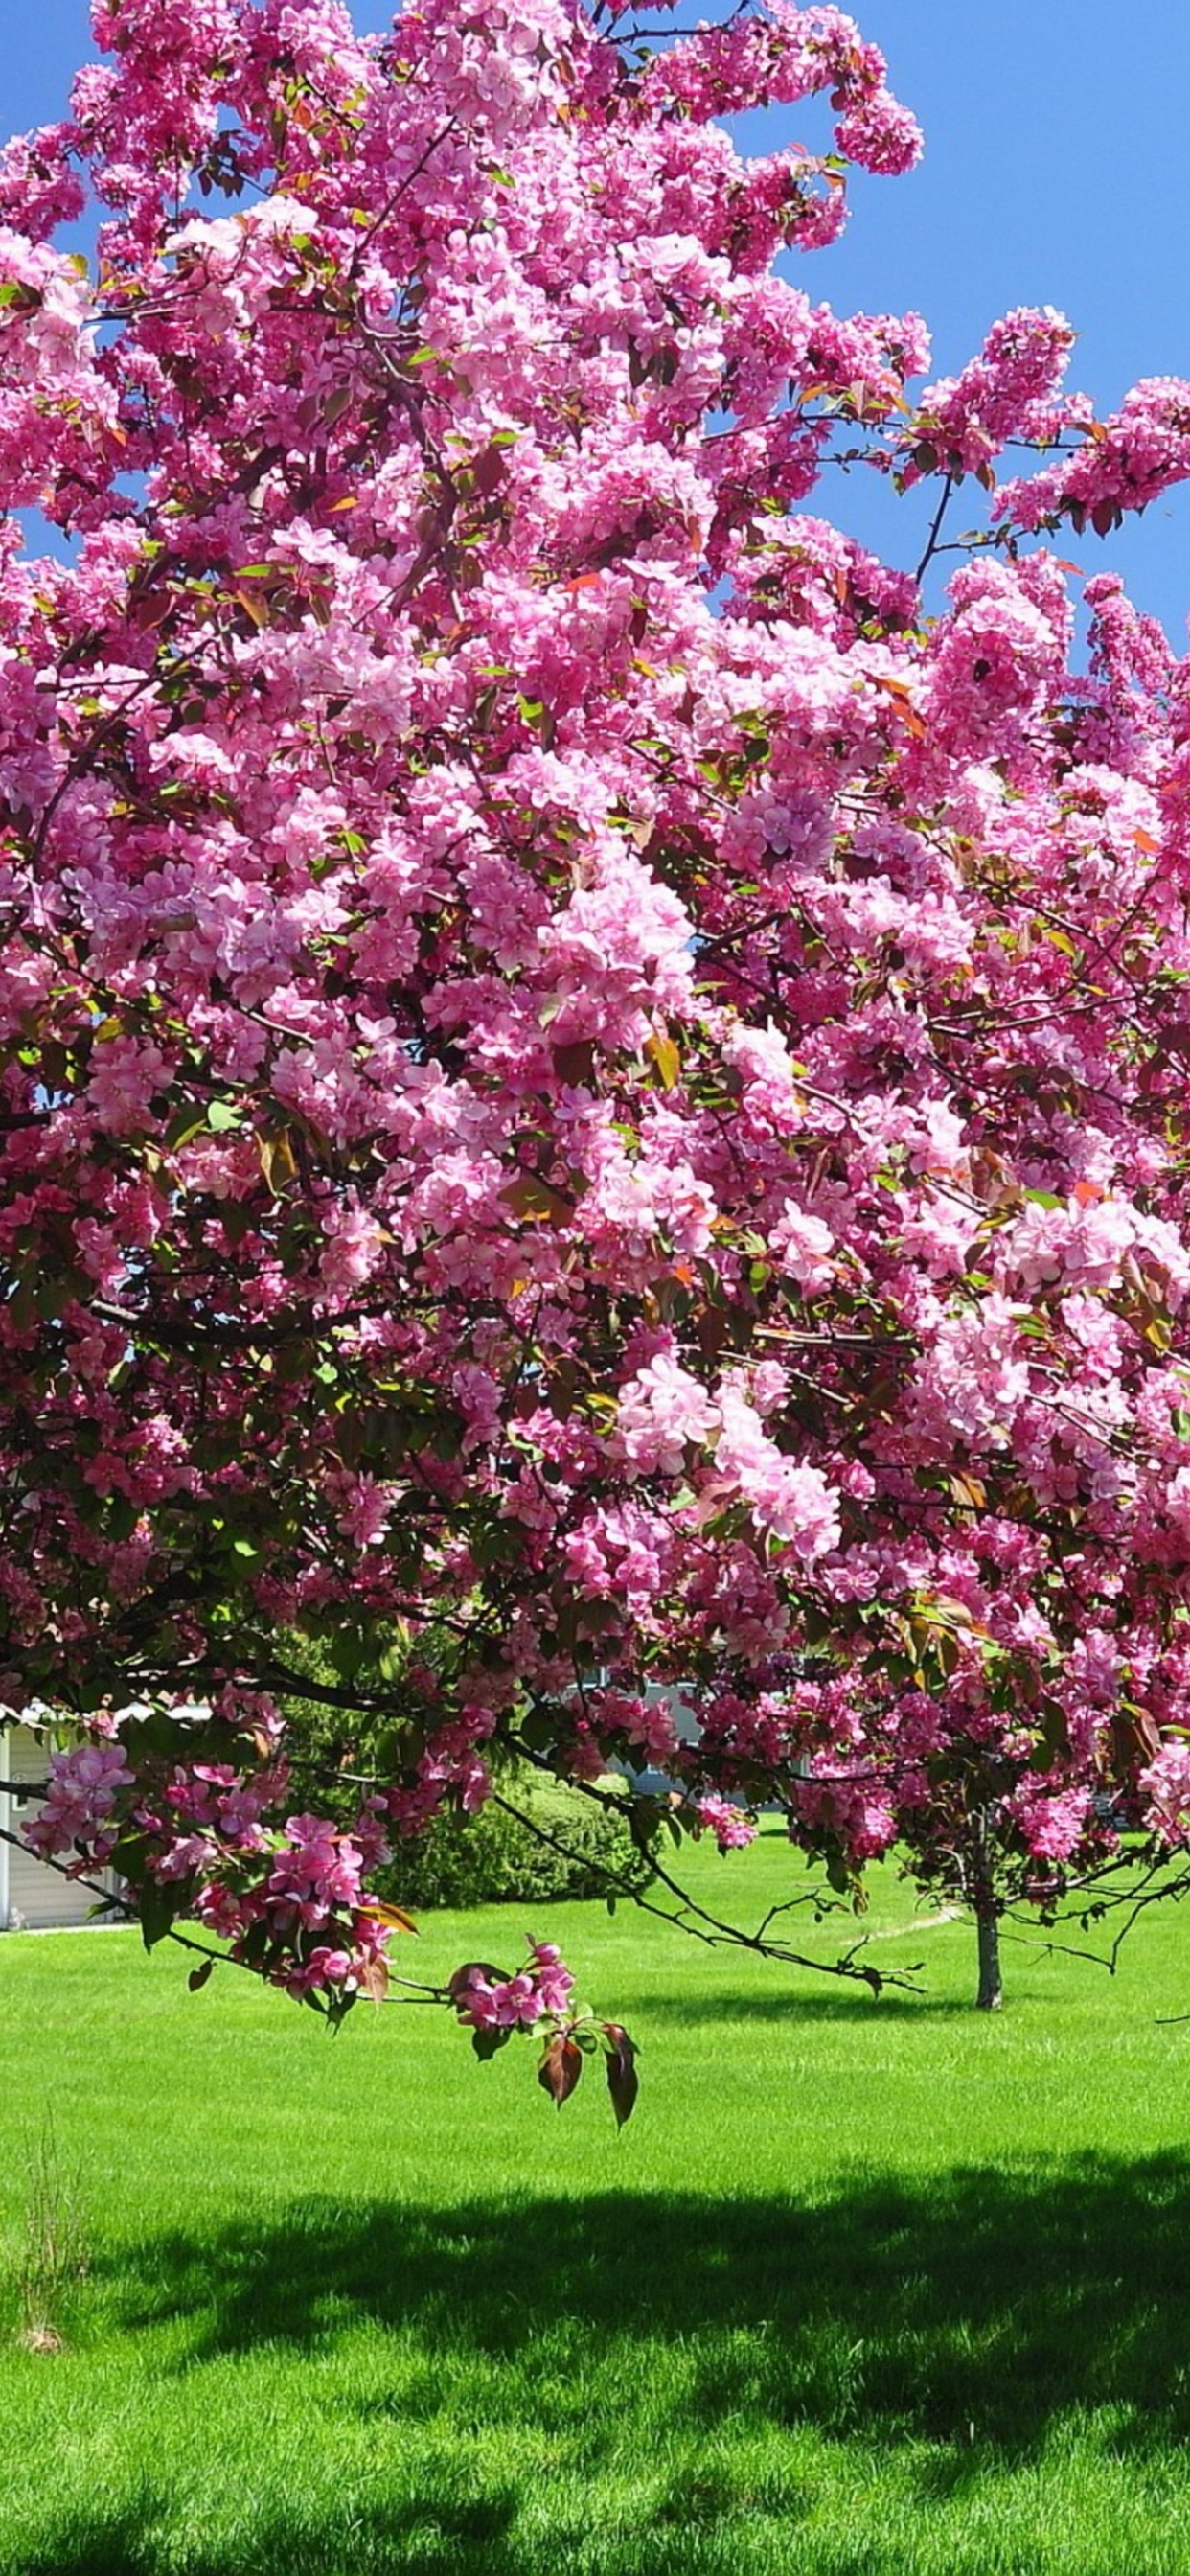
1004 393
1123 463
732 1829
1052 1825
805 1246
555 1984
793 1501
660 1410
316 1869
84 1784
486 2001
1165 1787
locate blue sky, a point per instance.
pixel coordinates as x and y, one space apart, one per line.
1057 171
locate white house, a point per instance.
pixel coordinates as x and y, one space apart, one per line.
33 1898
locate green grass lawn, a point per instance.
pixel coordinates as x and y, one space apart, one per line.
866 2289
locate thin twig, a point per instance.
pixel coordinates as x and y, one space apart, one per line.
701 1925
936 529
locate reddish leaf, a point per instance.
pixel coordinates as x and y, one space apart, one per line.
489 470
560 2069
198 1976
457 1985
373 1978
623 2082
575 1061
1135 1738
901 695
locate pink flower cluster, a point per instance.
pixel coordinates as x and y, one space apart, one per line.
84 1786
542 1989
1122 464
792 1500
1053 1826
732 1829
853 1812
1164 1785
660 1411
1007 392
316 1872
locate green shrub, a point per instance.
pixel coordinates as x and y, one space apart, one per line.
493 1859
488 1859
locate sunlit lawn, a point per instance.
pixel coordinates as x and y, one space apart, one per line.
866 2289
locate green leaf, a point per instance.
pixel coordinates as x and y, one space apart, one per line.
486 2042
223 1116
156 1912
348 1650
128 1857
183 1129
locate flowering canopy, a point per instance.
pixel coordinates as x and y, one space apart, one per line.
581 1080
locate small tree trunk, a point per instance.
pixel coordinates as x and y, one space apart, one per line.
991 1984
987 1921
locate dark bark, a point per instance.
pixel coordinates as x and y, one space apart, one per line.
991 1984
990 1995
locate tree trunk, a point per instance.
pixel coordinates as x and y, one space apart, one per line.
987 1919
991 1984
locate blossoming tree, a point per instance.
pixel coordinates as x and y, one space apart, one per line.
579 1075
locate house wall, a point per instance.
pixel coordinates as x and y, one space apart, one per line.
32 1897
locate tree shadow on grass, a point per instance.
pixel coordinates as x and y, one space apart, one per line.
727 2004
973 2310
418 2539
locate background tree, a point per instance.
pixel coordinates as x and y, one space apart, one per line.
579 1073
